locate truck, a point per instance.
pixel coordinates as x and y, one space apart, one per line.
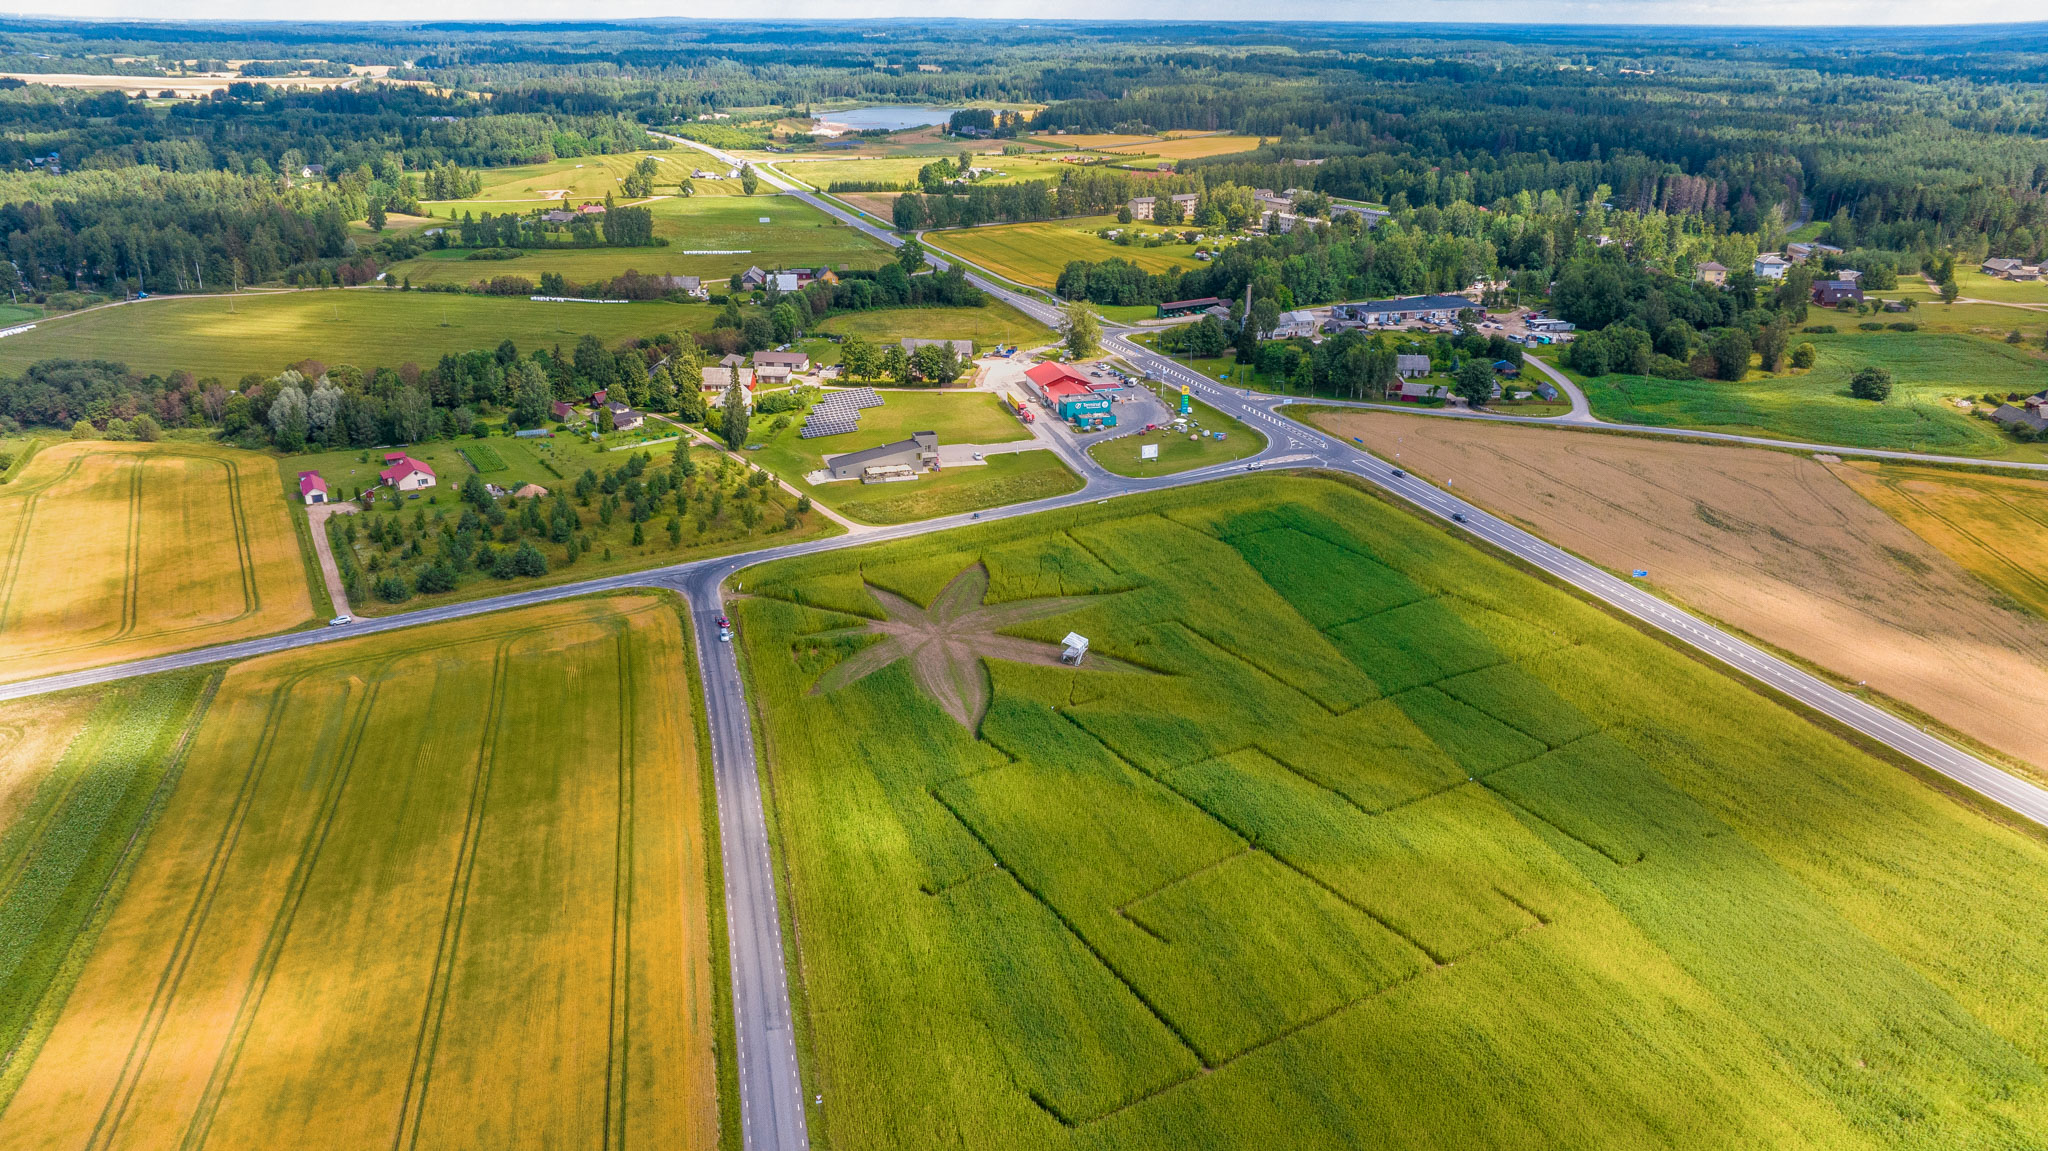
1023 413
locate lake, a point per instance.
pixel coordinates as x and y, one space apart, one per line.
889 116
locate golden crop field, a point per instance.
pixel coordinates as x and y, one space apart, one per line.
1102 140
111 552
1191 147
441 889
582 178
1996 527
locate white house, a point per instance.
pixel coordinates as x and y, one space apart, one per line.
1771 266
405 473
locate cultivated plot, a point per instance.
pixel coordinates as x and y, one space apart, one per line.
441 889
111 552
265 332
1037 253
711 236
1360 831
1995 526
1774 545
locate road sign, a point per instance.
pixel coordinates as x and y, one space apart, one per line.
1148 452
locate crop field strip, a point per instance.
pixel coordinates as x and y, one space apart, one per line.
621 639
1992 525
162 500
1408 815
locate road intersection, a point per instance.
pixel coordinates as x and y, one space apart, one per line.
775 1113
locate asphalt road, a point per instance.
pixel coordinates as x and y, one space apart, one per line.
774 1111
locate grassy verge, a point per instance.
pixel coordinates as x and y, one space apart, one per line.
1177 452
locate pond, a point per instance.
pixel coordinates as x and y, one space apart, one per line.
889 116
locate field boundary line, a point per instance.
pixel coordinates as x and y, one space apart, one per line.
412 1106
258 982
153 1019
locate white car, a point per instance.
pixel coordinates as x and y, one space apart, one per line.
339 620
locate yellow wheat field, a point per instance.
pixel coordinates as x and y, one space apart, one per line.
435 890
116 551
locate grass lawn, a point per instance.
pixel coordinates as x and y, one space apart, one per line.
1816 405
1346 826
712 517
1978 286
1995 526
796 234
227 336
112 552
1178 453
1037 253
959 418
429 857
1126 313
11 314
995 323
903 169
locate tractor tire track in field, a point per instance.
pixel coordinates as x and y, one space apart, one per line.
12 579
132 563
2019 572
618 1049
419 1077
114 1110
16 1060
258 983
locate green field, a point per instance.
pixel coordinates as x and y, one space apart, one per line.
1178 453
584 178
469 864
1365 832
796 235
1036 253
995 323
1816 405
1978 286
226 336
958 417
821 174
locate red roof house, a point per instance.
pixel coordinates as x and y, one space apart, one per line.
405 473
564 411
312 488
1047 376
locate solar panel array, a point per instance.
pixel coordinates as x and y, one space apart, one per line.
838 413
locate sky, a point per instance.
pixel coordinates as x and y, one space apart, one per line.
1711 13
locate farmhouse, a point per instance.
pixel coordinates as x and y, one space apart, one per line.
962 349
2030 413
1771 266
789 362
753 278
405 473
563 410
720 378
1711 273
625 419
1409 367
692 286
1415 391
312 488
918 453
1838 291
1429 309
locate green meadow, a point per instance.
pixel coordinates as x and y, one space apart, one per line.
1178 452
1347 831
795 235
1926 369
227 336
